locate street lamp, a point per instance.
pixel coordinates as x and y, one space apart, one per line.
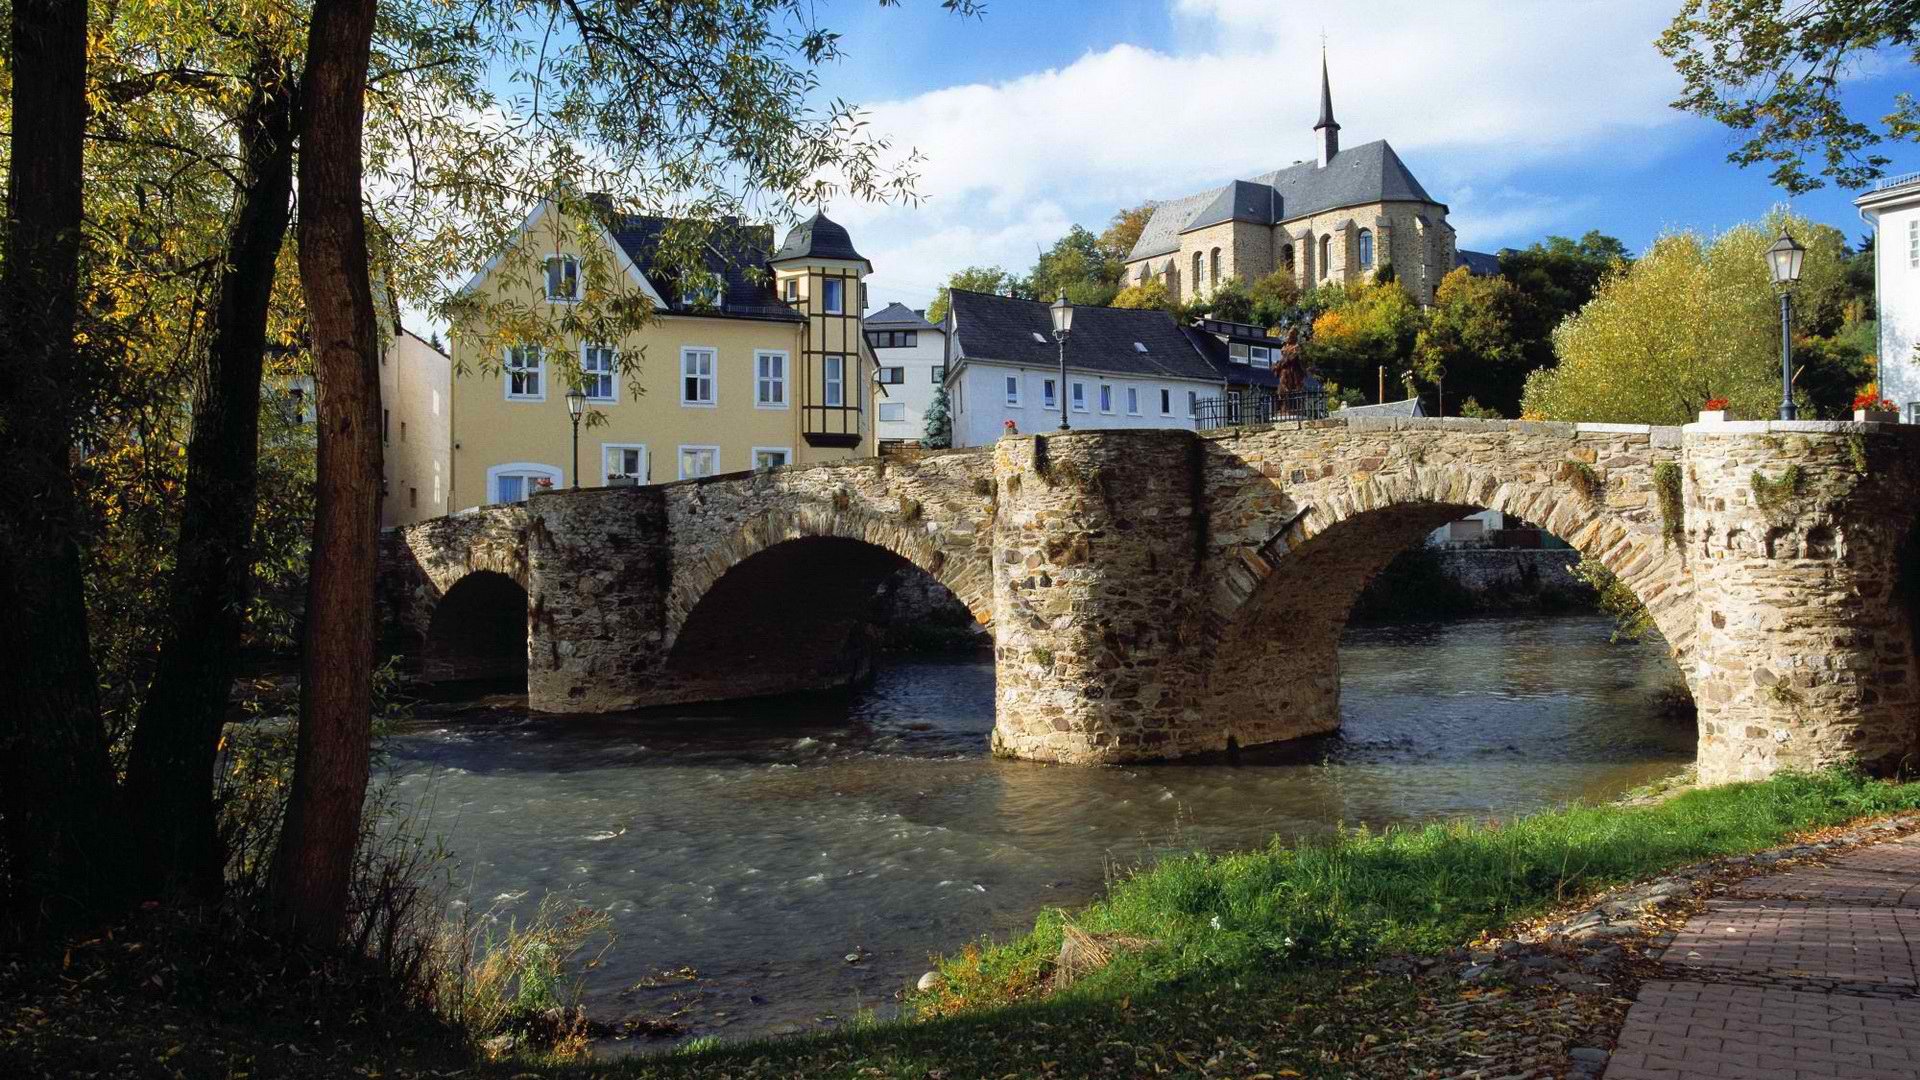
1783 261
576 404
1062 326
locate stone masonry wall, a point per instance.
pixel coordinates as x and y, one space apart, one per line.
1798 534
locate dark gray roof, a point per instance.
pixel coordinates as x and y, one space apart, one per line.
1368 173
898 316
1480 263
818 237
1242 200
735 252
1326 99
1409 407
989 327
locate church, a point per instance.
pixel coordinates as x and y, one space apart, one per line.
1340 218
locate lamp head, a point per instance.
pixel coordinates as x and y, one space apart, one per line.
1784 259
1062 312
576 402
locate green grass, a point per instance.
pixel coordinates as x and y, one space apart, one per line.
1362 894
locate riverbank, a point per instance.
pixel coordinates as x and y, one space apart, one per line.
1370 954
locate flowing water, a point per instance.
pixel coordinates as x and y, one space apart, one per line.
761 844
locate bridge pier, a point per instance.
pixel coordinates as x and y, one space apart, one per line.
1798 536
1098 547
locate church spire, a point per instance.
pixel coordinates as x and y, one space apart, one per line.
1327 128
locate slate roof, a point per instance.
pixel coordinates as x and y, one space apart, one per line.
1242 200
730 252
1368 173
818 237
898 316
1409 407
989 327
1481 263
1215 350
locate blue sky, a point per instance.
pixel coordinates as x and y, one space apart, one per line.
1527 117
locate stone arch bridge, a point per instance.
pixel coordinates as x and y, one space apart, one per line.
1155 594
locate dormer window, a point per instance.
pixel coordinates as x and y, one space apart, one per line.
704 292
563 278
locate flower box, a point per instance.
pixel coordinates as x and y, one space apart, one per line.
1713 416
1877 416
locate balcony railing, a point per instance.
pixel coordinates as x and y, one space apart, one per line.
1257 407
1890 182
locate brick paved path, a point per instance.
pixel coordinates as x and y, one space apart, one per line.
1809 973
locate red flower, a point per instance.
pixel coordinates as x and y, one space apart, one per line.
1873 402
1715 404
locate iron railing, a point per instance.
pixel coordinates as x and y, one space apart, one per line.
1259 407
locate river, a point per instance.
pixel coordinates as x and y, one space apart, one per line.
761 844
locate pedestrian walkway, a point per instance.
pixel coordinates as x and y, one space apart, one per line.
1809 973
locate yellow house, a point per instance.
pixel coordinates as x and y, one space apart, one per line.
759 364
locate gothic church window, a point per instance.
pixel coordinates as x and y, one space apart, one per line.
1197 267
1326 254
1286 258
1366 249
1214 277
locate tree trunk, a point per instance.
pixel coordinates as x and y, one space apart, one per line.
170 768
314 864
56 786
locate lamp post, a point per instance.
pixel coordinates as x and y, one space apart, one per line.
1783 262
576 404
1062 326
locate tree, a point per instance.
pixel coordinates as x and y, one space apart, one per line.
1151 294
56 794
939 430
1276 299
1078 267
1123 231
1773 69
1362 326
1229 301
980 279
1690 320
1468 341
1555 278
313 865
170 762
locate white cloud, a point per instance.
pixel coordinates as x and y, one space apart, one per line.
1467 91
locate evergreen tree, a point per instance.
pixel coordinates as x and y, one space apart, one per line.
939 435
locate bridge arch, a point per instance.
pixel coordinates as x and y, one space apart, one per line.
478 630
905 534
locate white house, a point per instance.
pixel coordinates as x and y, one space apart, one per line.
1125 369
910 363
1893 209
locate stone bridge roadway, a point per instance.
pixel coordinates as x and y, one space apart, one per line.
1161 593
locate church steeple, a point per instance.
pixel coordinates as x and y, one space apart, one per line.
1327 129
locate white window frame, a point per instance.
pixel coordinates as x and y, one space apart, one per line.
1133 401
1013 392
1079 394
1166 401
680 459
753 456
1260 356
1193 404
611 374
539 373
1106 399
761 381
645 474
1049 394
531 469
1913 244
882 416
546 278
828 303
833 380
939 374
687 352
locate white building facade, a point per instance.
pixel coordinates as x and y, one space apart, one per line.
910 364
1893 209
1125 369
